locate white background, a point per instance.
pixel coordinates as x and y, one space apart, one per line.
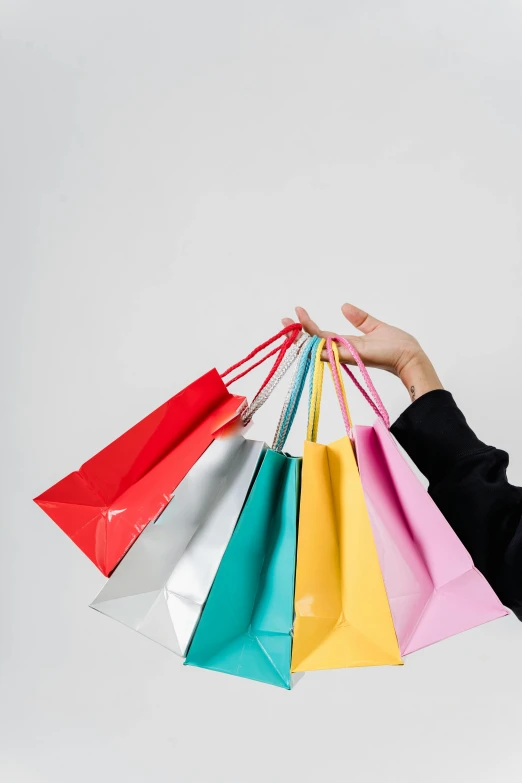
174 177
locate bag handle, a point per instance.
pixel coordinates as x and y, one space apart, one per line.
263 395
335 368
294 394
371 396
316 391
292 330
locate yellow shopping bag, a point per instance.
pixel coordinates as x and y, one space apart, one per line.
343 617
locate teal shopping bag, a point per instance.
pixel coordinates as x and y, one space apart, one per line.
246 625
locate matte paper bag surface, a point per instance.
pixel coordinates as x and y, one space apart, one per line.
161 585
246 625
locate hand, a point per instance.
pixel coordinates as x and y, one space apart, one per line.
382 346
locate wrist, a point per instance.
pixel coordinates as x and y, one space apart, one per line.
418 376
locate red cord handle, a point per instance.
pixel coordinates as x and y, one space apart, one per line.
292 330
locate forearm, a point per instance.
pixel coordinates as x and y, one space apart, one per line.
468 482
418 376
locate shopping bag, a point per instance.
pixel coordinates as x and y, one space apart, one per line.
246 625
343 618
104 506
433 588
160 586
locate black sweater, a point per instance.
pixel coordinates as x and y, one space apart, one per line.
467 481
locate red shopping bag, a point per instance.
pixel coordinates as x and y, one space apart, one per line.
104 506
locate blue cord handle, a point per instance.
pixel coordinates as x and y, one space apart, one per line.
296 393
313 357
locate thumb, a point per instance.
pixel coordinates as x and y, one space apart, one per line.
359 318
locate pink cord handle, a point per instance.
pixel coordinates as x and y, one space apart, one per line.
338 386
376 403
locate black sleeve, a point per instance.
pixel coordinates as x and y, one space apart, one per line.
468 482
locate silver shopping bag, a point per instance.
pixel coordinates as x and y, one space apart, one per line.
162 583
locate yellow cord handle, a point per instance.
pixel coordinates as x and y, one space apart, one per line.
315 396
317 389
335 351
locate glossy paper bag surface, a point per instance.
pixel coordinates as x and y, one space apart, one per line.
105 505
245 628
433 587
343 618
161 585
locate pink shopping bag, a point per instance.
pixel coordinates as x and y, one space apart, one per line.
433 587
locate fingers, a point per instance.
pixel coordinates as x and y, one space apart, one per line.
308 325
306 322
313 329
359 318
344 354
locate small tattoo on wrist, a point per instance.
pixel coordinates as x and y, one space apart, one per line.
412 393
